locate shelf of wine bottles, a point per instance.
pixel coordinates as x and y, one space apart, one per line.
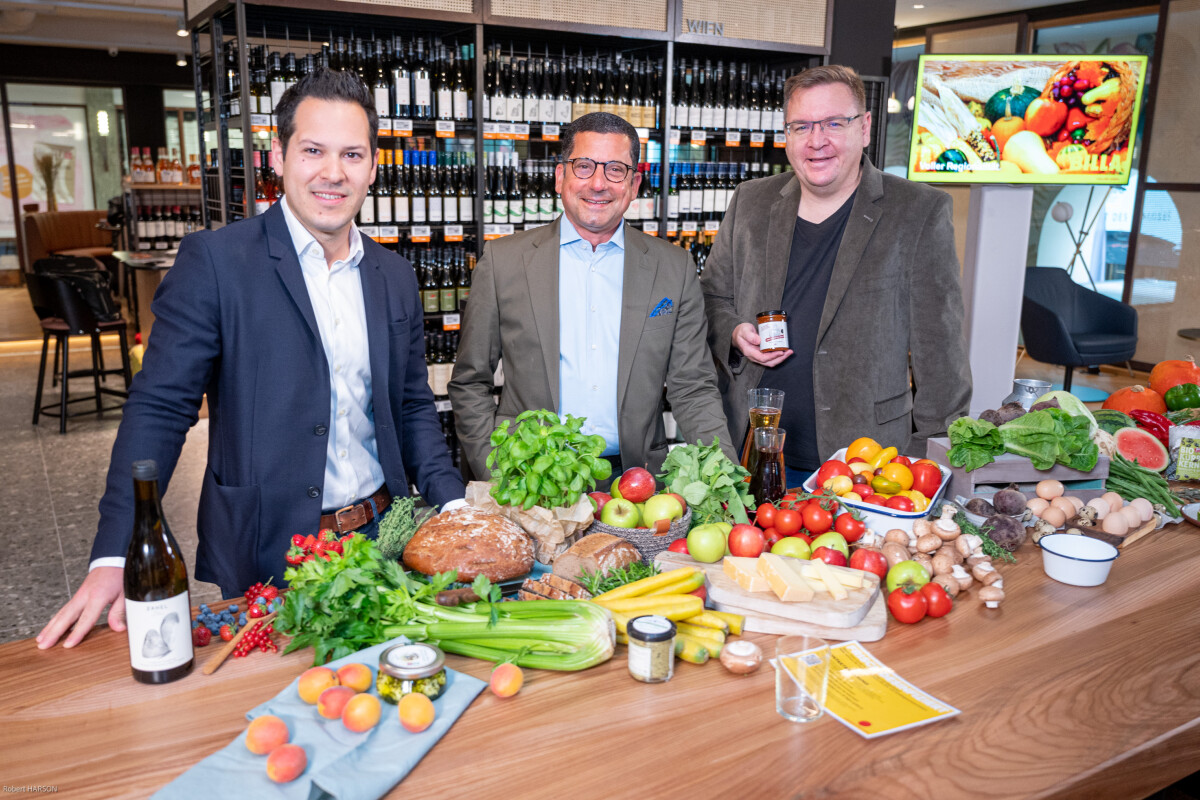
162 227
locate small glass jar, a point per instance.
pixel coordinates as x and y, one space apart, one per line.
651 648
408 668
772 331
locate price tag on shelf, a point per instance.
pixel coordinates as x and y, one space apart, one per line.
781 140
672 229
521 131
531 225
674 136
550 133
643 134
491 130
444 129
388 234
385 126
370 231
420 233
711 227
757 139
442 406
261 123
495 231
454 233
733 138
402 127
650 228
689 229
451 322
699 136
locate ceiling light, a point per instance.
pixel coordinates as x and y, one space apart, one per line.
180 60
181 27
102 122
893 105
919 5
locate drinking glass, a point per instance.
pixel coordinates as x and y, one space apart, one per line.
766 409
801 677
768 481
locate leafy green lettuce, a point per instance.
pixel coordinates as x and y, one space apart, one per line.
1052 436
974 443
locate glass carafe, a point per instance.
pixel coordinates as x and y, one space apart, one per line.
766 409
768 481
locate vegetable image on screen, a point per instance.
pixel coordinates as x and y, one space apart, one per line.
1028 119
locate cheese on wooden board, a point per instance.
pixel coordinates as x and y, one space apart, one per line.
851 578
825 574
744 572
787 583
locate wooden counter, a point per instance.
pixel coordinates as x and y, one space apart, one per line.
1064 692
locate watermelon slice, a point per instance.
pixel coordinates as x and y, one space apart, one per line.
1138 445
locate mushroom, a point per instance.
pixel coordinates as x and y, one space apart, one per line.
925 561
943 563
962 576
928 543
985 573
946 528
894 553
951 551
948 583
1041 528
991 596
978 558
741 657
968 544
922 527
871 540
898 536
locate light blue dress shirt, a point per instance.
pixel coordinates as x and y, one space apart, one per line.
589 329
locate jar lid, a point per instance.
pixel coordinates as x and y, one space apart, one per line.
651 628
779 312
411 661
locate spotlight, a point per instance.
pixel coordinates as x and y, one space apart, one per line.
181 27
180 60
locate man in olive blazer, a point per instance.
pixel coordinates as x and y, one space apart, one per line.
514 314
893 308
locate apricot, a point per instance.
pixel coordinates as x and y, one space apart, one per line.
416 712
357 676
362 713
265 734
314 681
333 701
506 680
286 762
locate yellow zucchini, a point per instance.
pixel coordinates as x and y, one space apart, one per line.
620 620
705 635
685 585
734 621
690 650
639 588
709 619
622 639
674 607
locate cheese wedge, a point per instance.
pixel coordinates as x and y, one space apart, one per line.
825 573
785 581
850 578
744 572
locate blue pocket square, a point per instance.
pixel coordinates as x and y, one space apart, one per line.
665 306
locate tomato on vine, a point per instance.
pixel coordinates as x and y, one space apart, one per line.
908 604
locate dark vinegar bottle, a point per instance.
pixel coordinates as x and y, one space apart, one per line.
157 611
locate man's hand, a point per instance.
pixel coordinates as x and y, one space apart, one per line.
102 586
745 338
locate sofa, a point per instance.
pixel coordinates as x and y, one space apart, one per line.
72 233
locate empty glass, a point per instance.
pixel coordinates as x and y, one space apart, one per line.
801 677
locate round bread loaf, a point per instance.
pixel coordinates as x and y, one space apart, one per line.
473 542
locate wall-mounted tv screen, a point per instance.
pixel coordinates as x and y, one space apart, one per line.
1026 119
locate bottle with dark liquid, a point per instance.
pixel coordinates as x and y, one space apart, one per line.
157 610
768 481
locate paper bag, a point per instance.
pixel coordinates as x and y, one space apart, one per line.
553 530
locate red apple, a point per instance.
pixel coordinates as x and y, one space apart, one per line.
702 593
678 497
636 485
679 546
869 561
599 498
746 541
832 557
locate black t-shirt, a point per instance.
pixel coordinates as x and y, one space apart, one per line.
814 250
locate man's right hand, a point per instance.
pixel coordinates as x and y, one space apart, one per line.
102 586
745 339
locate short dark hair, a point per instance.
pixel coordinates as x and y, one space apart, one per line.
823 76
601 122
325 84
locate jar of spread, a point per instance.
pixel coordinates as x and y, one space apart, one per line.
651 648
772 331
408 668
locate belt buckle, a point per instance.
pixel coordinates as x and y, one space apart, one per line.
342 526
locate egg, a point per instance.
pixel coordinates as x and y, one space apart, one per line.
1064 505
1037 505
1143 506
1055 516
1075 501
1101 506
1116 524
1132 514
1049 489
1113 499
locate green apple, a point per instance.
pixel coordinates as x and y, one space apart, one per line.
619 513
906 572
792 546
615 491
706 543
660 506
834 541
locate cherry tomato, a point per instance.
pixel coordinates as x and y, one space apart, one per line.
926 478
864 489
817 519
790 497
937 599
905 460
788 521
874 500
850 528
908 604
803 534
831 468
772 536
900 503
764 517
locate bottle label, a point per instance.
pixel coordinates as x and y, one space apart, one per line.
546 209
516 211
448 298
366 214
743 118
773 335
449 209
562 111
673 205
531 109
403 95
435 209
421 92
466 209
500 212
694 117
531 208
706 117
445 103
160 633
383 210
488 212
381 101
418 210
400 209
277 88
430 301
460 104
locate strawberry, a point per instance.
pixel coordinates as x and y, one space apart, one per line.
269 592
310 542
328 535
226 633
201 636
333 547
295 555
255 611
298 540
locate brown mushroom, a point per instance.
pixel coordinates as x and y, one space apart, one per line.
951 551
985 573
928 543
894 553
921 527
946 527
896 535
948 583
943 563
978 558
991 596
925 561
963 577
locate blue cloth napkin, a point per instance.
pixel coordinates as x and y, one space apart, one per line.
341 764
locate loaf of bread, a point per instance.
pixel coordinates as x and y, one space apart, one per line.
597 552
473 542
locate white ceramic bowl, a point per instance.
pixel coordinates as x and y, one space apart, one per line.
881 519
1077 560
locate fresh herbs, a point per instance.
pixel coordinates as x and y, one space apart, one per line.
544 461
599 582
714 487
398 525
1045 437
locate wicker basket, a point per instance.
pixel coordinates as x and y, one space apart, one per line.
1117 132
648 541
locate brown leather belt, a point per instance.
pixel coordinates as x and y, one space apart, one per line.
353 517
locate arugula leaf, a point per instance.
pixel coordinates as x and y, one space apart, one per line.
714 487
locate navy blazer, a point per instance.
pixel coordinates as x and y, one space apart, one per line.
234 321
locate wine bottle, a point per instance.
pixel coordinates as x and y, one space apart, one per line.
422 95
157 611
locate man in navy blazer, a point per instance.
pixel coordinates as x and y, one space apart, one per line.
308 340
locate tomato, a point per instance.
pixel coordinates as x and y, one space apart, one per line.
801 534
838 484
746 541
908 605
850 528
788 521
874 499
884 485
900 503
831 468
898 473
937 599
771 536
817 519
764 517
790 497
702 593
864 489
926 478
678 546
1045 116
905 460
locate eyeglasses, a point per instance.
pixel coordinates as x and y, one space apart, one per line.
584 168
833 126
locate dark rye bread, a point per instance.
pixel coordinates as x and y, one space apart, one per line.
473 542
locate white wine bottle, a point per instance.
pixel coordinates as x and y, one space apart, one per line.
157 611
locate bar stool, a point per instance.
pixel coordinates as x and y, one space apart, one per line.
73 317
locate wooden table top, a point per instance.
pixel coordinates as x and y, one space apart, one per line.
1064 692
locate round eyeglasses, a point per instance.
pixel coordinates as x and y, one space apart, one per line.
584 168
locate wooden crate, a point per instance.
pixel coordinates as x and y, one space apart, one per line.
1007 468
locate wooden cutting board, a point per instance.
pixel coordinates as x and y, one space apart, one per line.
822 610
871 629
